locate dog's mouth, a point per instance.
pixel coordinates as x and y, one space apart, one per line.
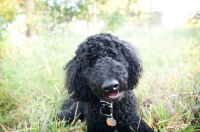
114 95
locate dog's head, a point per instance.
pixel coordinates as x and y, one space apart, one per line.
104 67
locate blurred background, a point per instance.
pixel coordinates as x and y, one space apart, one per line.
38 17
38 37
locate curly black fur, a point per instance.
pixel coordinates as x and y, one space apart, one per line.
72 108
99 59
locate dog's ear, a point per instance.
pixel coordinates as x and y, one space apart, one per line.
135 67
75 83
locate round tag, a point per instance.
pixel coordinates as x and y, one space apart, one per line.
111 121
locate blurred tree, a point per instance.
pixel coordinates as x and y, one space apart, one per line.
29 9
67 9
112 12
8 11
50 13
116 12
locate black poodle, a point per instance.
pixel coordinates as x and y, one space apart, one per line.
103 74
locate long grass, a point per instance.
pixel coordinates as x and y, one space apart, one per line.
32 80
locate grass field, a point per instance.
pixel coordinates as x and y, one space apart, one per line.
32 80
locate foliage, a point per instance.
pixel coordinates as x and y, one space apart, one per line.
52 13
112 12
8 10
114 20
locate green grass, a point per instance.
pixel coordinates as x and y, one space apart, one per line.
32 80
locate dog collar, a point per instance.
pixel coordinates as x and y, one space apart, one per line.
109 120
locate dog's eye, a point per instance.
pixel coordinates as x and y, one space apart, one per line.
112 55
91 63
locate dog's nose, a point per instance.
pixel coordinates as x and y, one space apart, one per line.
110 85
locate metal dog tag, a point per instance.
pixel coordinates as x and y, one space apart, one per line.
111 121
